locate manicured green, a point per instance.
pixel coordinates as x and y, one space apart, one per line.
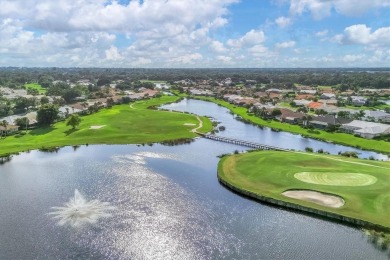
36 86
340 138
270 173
124 124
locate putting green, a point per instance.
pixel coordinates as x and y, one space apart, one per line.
336 178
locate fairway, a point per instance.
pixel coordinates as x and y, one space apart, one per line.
36 86
120 124
350 189
336 179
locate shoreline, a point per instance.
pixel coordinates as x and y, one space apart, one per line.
290 205
367 147
12 145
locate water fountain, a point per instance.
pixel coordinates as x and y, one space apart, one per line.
79 212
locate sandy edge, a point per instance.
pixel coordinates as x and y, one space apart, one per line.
327 200
96 126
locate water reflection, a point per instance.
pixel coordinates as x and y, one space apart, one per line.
265 135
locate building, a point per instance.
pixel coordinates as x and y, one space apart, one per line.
377 116
366 129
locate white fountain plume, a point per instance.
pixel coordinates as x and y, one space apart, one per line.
79 212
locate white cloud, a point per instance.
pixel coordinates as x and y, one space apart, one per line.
218 46
363 35
284 45
283 21
322 8
322 33
225 59
188 58
113 54
251 38
352 58
157 30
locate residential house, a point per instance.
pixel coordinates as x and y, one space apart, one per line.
290 116
326 121
9 129
366 129
358 100
377 116
328 96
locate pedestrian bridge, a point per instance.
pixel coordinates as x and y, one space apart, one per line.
241 142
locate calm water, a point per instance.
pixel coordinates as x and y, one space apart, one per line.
169 206
264 135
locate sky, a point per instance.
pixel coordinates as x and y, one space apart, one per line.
195 33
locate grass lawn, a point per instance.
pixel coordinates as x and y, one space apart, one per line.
364 185
340 138
36 86
122 125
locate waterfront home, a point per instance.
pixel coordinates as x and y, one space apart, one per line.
366 129
9 129
325 121
290 116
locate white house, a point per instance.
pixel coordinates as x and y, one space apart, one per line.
366 129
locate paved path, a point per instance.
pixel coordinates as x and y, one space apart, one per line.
200 125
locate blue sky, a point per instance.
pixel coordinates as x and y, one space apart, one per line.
195 33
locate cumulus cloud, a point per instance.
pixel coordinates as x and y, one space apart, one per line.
217 46
167 29
352 58
363 35
224 59
251 38
322 8
284 45
283 21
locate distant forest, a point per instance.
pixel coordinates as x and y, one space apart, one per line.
351 78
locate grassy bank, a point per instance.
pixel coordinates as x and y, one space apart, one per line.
339 138
267 174
123 124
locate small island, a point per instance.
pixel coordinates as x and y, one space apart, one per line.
351 190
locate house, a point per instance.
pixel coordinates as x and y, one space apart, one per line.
290 116
328 96
308 91
305 96
302 102
377 116
273 90
366 129
9 129
315 105
326 121
358 100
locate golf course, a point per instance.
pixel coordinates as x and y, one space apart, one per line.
352 190
122 124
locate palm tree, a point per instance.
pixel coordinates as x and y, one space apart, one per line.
4 123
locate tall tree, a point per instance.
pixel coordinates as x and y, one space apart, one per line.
47 114
74 120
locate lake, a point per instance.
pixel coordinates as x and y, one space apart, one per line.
169 204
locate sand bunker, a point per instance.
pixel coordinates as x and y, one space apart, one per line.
316 197
336 178
189 124
97 126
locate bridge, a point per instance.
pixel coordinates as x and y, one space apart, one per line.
241 142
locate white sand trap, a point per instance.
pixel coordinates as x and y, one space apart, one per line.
316 197
96 126
189 124
336 178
